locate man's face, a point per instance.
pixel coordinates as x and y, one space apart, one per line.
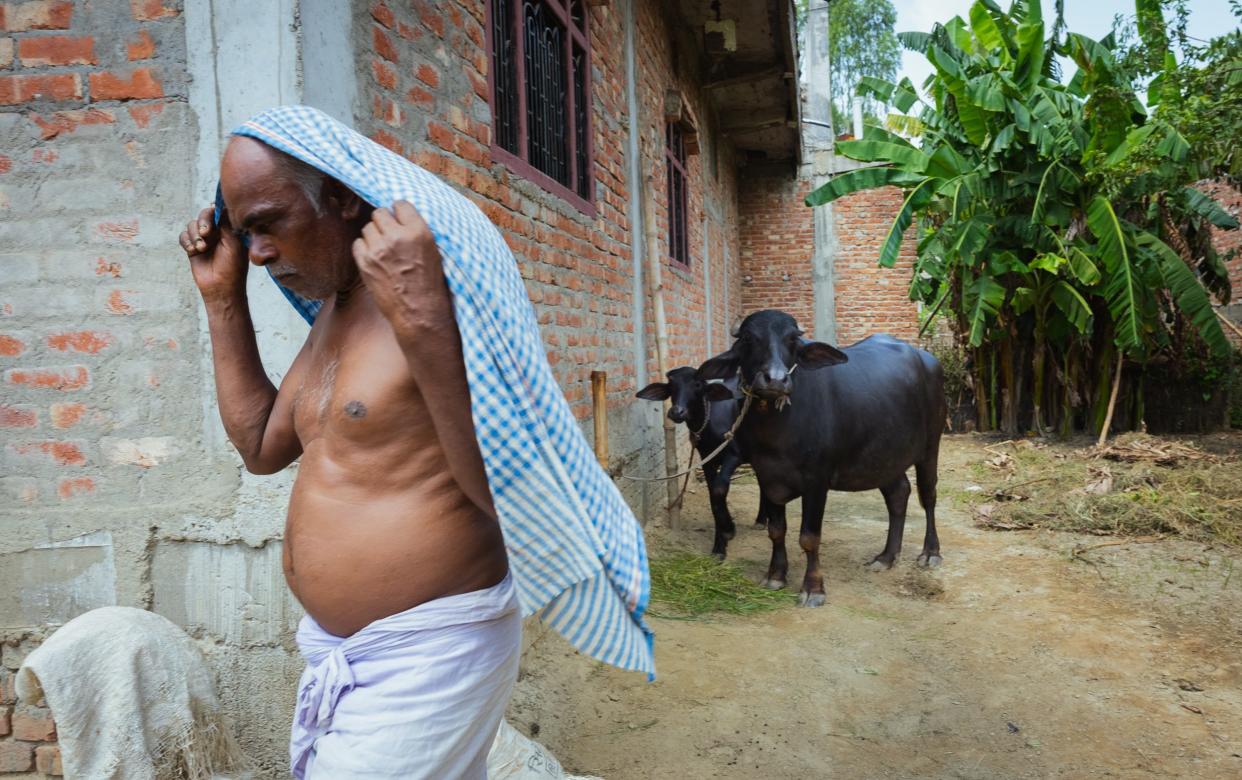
306 246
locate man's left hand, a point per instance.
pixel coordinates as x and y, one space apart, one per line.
401 266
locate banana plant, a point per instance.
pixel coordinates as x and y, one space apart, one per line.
1042 207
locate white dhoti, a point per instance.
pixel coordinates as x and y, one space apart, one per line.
418 694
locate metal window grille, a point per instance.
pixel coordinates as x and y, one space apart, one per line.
541 91
675 159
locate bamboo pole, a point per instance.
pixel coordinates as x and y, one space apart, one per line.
655 287
1112 399
599 412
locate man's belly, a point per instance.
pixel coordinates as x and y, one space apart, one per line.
356 554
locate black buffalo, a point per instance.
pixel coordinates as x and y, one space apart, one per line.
826 419
708 410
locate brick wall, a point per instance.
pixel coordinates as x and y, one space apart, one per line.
777 239
94 324
426 90
871 299
1228 241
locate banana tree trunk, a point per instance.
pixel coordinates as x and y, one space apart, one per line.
1037 367
981 390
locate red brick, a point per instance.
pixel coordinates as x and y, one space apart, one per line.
75 486
383 45
141 49
6 52
383 14
33 724
66 415
11 346
104 267
141 84
63 453
6 721
39 15
87 341
16 757
428 75
23 89
6 163
409 33
440 135
65 378
421 98
118 231
145 113
56 50
388 141
69 121
384 74
20 416
117 303
47 760
430 16
150 10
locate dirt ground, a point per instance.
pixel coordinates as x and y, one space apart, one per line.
1014 659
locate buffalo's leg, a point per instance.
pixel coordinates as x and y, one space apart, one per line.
761 517
813 502
925 473
896 498
718 477
778 569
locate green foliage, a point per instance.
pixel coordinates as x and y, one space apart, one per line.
1057 219
861 45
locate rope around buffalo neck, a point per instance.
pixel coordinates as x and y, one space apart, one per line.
728 437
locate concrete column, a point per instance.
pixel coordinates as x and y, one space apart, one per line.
817 141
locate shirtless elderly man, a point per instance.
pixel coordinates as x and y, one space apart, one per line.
390 522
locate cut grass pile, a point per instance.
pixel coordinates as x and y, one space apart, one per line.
685 586
1136 486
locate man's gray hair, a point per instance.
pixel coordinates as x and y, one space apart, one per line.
310 179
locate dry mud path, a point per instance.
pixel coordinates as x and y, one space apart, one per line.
1012 660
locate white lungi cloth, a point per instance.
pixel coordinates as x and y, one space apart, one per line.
418 694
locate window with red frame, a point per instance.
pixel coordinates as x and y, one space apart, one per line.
541 92
675 162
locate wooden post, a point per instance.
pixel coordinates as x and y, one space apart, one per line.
655 286
1112 400
599 411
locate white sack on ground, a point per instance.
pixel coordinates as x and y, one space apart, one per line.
132 698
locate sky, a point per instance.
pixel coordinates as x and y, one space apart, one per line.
1093 18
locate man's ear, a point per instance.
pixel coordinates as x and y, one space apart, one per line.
722 366
343 200
717 392
656 391
817 354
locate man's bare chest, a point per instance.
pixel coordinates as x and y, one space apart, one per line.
357 388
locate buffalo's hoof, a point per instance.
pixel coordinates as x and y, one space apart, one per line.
719 556
811 599
760 525
926 561
879 563
772 584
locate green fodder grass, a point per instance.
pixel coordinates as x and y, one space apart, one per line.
685 586
1063 488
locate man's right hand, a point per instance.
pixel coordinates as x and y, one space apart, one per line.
217 258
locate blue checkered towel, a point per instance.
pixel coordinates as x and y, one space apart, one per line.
575 549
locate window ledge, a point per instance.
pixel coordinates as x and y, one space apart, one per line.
525 170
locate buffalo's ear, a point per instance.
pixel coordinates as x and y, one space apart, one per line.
817 354
717 392
656 391
722 366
